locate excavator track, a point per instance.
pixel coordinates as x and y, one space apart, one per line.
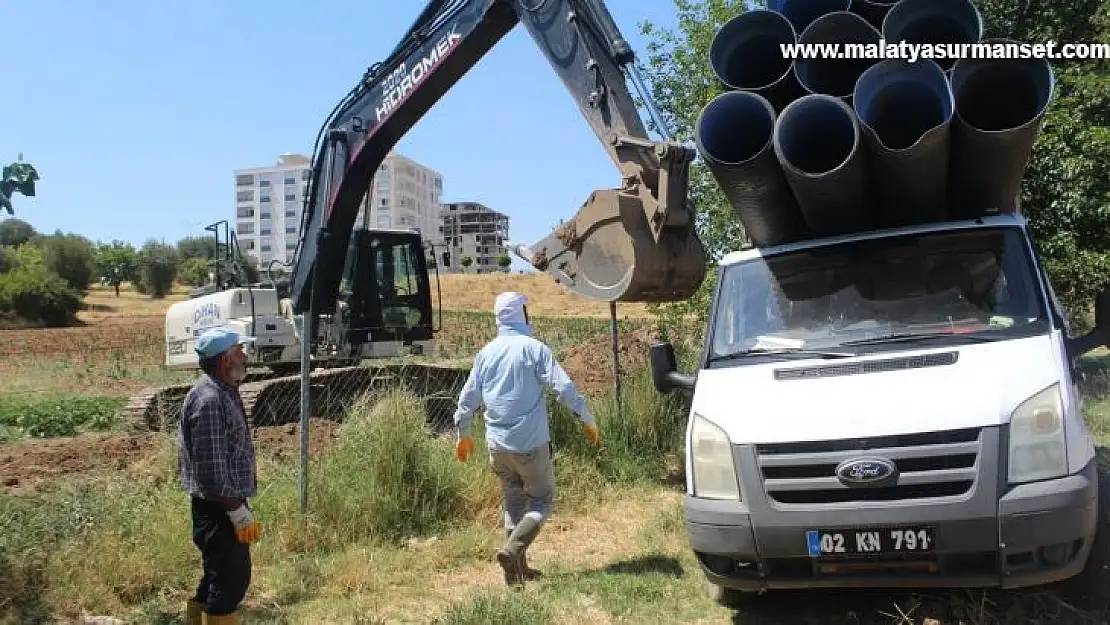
272 399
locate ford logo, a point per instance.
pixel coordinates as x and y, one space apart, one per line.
865 471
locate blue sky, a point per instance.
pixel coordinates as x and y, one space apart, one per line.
137 113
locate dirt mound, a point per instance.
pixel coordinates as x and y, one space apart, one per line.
590 364
30 464
284 441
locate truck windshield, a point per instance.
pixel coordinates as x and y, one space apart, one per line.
937 288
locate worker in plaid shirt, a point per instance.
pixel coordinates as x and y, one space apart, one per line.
218 472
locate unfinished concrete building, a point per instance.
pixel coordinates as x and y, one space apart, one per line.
475 231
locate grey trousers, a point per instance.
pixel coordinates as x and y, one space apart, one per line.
527 483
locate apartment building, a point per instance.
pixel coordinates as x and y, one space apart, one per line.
474 230
269 202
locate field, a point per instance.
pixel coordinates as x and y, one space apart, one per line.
91 522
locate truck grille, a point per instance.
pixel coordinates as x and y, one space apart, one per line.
930 465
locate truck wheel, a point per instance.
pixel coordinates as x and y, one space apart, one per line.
725 597
1088 588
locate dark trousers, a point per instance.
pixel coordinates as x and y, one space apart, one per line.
226 561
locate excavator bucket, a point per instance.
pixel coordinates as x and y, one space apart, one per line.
609 252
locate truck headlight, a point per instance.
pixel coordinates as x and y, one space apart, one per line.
1038 449
713 465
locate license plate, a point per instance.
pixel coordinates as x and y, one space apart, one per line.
892 540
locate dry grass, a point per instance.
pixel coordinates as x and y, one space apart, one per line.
101 303
546 297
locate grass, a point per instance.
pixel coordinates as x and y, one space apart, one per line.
396 525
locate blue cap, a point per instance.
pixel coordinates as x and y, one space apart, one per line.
215 341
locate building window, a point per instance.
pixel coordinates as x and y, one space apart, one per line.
290 180
264 231
292 214
247 228
245 212
263 183
290 197
265 247
384 221
305 174
290 230
264 199
244 196
244 180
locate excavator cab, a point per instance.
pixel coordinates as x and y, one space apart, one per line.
388 293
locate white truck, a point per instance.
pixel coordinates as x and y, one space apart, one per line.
891 408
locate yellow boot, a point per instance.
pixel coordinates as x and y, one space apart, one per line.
221 619
194 611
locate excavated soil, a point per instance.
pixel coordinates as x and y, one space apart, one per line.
31 465
590 364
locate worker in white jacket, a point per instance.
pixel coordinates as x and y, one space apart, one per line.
509 377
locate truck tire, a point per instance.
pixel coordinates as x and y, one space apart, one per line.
725 597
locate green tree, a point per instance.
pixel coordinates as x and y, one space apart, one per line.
1065 195
19 177
197 247
194 271
15 232
71 256
158 265
466 261
117 262
504 261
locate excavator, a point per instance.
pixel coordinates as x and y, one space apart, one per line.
635 242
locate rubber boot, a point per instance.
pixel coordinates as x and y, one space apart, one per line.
221 619
509 556
529 574
194 612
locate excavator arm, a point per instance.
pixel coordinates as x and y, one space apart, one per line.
635 242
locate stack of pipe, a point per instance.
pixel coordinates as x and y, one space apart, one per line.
820 146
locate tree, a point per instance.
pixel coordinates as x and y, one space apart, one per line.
466 261
504 261
1065 195
19 177
158 264
194 271
197 247
70 256
117 263
15 232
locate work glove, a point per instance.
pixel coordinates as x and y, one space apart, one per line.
247 530
463 448
593 433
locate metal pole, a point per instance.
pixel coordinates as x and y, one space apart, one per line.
308 337
616 354
306 403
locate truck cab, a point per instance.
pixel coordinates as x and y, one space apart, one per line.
895 408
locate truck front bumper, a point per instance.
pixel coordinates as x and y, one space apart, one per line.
1038 533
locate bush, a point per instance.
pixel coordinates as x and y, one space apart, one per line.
71 257
37 294
194 272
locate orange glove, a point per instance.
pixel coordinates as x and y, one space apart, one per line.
593 433
463 448
247 530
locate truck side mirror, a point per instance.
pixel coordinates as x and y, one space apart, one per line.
1100 335
664 373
